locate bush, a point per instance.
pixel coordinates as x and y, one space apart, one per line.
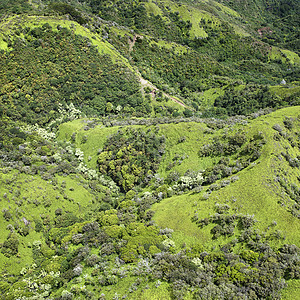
10 245
130 156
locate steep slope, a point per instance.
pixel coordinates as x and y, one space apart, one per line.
242 170
275 21
262 189
185 50
45 66
114 180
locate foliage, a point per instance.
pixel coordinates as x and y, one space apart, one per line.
65 8
61 65
130 156
273 21
247 100
85 202
15 7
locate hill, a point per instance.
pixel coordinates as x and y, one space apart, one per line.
230 189
149 149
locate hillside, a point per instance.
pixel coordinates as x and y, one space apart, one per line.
249 180
149 149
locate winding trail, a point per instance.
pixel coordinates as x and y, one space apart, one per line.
146 83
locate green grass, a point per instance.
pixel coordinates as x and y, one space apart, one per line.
292 56
167 103
178 49
96 138
252 190
144 292
176 213
194 134
255 191
103 46
193 15
227 10
153 8
284 55
39 198
208 97
285 91
292 291
3 44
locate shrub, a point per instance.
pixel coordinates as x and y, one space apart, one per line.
10 245
129 157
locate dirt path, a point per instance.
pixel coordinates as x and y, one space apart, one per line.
131 43
146 83
175 100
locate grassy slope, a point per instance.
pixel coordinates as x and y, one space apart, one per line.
187 12
284 91
254 191
213 12
9 24
284 55
253 196
195 136
292 291
194 132
96 138
39 198
196 12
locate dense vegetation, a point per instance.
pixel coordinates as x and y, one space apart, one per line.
145 152
47 67
278 20
93 237
129 157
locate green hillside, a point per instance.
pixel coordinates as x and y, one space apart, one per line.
243 171
149 149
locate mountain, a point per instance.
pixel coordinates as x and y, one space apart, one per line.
149 149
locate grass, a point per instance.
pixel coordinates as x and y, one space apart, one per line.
103 46
255 192
194 135
228 10
96 138
208 97
194 16
167 103
144 292
291 56
284 55
3 44
292 291
153 8
38 198
185 231
178 49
